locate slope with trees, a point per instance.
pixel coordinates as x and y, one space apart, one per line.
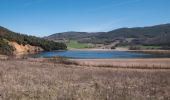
7 35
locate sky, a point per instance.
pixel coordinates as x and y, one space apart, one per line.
45 17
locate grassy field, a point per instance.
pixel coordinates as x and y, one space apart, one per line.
61 79
76 45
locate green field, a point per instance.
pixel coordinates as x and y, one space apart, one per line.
77 45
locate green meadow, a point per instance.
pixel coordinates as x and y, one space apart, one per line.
77 45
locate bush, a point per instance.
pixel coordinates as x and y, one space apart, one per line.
165 48
5 48
134 48
113 47
62 60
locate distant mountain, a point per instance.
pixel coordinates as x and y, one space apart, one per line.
69 35
142 35
11 41
72 35
138 32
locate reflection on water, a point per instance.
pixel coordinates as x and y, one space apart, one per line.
97 54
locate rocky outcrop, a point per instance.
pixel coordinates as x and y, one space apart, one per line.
24 49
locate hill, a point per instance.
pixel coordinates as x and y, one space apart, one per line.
152 35
8 37
79 36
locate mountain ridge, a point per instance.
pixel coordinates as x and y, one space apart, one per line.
148 33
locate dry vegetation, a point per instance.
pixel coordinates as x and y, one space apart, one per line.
50 79
150 63
164 52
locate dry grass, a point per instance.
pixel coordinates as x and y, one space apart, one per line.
39 79
61 60
156 63
165 52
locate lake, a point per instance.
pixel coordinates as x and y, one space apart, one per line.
87 54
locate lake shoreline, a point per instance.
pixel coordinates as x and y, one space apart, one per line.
125 50
129 63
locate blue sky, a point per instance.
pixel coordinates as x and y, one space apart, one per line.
45 17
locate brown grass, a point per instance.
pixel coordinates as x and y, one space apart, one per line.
39 79
165 52
156 63
61 60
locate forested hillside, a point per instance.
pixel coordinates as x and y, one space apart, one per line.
7 35
153 35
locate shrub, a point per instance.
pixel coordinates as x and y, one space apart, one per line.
62 60
134 48
113 47
165 48
5 48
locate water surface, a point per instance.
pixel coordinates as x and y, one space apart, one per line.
87 54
